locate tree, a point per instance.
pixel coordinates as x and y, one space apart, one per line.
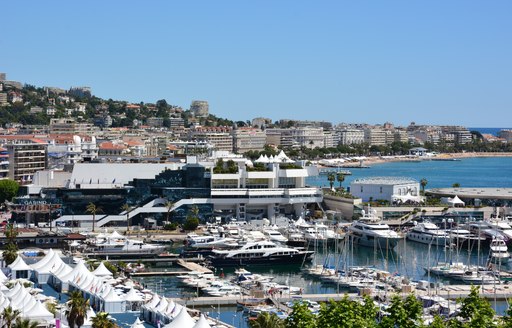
93 209
192 220
77 309
403 313
331 178
477 311
8 189
102 320
10 252
340 177
126 208
301 317
9 316
423 184
25 323
456 185
266 320
169 205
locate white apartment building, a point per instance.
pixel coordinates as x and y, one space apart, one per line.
375 136
247 139
351 136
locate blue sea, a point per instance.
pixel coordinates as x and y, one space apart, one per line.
468 172
493 131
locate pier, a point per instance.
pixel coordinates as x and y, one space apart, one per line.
189 266
451 292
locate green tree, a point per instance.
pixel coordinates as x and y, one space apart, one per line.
423 184
192 221
404 314
9 316
93 209
266 320
347 313
102 320
438 322
126 208
77 309
331 177
340 177
301 317
24 323
8 189
169 205
10 252
456 185
476 311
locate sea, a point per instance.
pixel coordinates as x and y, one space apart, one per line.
493 131
407 259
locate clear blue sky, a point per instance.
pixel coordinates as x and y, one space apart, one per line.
342 61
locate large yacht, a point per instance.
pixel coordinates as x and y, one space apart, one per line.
370 231
261 252
428 233
117 245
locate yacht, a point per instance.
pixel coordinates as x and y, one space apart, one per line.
428 233
370 231
275 236
463 238
117 245
209 242
499 251
260 252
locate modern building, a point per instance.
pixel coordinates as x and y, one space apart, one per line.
375 136
391 189
272 190
219 137
70 126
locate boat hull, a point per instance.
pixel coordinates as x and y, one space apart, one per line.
370 241
428 239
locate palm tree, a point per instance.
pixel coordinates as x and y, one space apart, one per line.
423 183
126 208
77 309
25 323
169 205
102 320
340 177
93 209
267 320
331 178
456 185
9 316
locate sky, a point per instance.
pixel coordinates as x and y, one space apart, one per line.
431 62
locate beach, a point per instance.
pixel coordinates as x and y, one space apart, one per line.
445 156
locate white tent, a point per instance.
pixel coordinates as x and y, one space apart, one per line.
66 279
116 235
42 273
19 269
29 307
455 201
182 320
112 303
102 271
133 300
202 323
137 324
42 262
3 277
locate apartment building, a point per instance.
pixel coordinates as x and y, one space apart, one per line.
26 156
247 139
219 137
351 136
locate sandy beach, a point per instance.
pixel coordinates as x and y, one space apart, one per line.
380 159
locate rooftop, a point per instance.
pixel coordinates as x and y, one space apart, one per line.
385 180
481 193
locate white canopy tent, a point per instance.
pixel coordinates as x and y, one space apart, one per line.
182 320
19 269
102 271
202 322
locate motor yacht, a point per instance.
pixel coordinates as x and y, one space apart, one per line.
261 252
428 233
499 251
370 231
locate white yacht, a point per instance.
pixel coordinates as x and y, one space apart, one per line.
428 233
499 251
370 231
260 252
275 236
115 244
209 242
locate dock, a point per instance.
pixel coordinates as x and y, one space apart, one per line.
451 292
191 266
